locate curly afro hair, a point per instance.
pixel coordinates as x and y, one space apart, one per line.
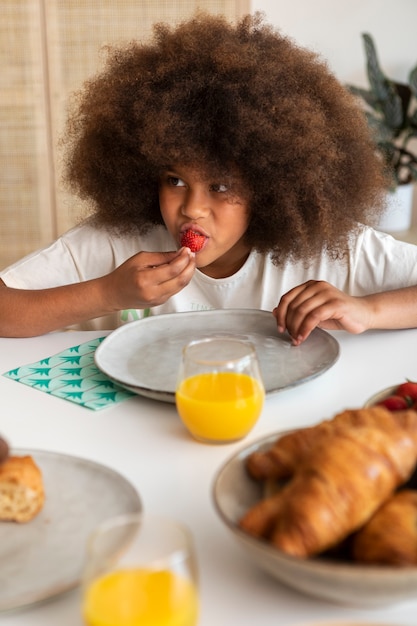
223 97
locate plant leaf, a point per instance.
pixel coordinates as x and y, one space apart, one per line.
366 95
376 76
413 120
393 108
391 113
413 81
384 89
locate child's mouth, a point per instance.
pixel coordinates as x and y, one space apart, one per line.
193 240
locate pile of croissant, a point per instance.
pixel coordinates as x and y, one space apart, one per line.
343 482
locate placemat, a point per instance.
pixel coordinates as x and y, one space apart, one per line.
72 375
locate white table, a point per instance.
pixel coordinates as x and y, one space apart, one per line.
145 441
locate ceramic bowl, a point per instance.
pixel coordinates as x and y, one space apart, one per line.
380 395
340 581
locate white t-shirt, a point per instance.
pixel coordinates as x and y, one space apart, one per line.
376 262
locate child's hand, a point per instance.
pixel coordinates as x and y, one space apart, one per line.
149 278
317 303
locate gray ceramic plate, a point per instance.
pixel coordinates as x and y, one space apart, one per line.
44 557
340 581
144 356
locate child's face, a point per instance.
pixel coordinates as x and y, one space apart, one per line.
190 202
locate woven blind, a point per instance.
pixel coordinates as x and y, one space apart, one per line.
47 49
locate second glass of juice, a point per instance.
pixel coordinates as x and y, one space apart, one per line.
220 393
140 570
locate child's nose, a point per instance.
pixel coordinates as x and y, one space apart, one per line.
195 205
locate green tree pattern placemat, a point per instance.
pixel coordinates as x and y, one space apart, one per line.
72 375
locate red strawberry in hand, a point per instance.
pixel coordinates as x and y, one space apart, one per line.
191 239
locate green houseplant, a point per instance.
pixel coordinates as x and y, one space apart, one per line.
391 110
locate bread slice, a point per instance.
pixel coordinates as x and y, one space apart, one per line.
21 489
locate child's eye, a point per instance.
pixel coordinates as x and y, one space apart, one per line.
218 188
174 181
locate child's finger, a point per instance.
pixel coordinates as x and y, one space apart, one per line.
156 259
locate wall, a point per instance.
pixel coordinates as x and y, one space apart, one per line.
333 29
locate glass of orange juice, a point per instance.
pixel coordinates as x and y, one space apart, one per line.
140 570
220 393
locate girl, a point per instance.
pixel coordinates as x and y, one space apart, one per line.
225 167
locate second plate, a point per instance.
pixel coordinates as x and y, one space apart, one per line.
44 557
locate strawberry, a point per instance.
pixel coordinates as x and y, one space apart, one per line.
191 239
394 403
408 389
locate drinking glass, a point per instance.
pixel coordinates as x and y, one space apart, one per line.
220 393
140 570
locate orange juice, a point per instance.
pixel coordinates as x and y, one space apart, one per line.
219 406
136 597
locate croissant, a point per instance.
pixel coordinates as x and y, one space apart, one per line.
282 458
339 484
390 536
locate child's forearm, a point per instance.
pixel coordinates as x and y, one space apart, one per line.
28 313
393 309
146 279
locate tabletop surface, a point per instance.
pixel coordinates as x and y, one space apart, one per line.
144 440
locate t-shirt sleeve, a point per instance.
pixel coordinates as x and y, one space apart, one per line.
81 254
379 262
